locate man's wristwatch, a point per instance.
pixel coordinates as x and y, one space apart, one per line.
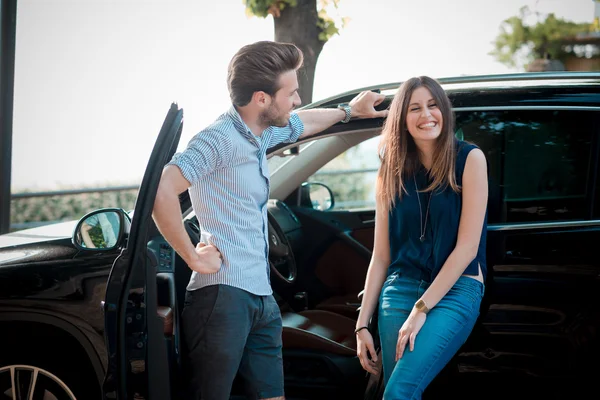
347 110
421 306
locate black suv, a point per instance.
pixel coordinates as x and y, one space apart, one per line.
90 309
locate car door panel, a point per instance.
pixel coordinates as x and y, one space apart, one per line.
554 254
335 258
139 361
365 236
541 295
542 264
360 227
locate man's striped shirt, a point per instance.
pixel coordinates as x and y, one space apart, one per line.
227 168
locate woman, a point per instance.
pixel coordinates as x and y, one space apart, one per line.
428 264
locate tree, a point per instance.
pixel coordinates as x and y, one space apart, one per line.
301 23
518 44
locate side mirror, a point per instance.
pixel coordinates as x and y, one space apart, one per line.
102 229
317 196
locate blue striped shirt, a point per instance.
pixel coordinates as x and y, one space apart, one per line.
227 168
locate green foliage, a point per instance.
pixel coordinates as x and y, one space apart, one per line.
262 8
68 207
327 25
546 38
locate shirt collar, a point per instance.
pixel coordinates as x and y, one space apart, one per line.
240 125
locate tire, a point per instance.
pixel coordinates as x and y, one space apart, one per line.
57 374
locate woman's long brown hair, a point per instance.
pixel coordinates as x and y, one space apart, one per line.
398 152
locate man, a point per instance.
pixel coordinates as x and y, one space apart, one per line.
230 320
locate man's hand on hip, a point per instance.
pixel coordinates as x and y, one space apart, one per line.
207 261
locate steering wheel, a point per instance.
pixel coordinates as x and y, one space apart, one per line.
281 256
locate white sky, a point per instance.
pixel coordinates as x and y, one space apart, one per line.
95 78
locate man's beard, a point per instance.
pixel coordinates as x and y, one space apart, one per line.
273 117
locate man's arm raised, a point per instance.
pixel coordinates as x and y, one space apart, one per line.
362 106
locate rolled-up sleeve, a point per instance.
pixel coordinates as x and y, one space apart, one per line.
207 151
287 134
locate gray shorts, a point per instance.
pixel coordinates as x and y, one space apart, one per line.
226 329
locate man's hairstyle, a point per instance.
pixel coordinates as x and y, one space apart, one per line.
258 66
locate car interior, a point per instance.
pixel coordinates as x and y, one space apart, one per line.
317 272
319 257
319 260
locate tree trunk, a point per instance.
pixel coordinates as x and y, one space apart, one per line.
298 25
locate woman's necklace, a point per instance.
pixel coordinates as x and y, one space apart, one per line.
422 227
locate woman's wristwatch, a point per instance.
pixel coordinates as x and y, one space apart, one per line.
420 305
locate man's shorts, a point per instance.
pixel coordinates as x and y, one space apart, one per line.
226 329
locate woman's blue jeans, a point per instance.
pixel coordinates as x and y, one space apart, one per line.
446 328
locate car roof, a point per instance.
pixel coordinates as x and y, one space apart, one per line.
469 83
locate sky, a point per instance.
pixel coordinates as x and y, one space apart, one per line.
94 79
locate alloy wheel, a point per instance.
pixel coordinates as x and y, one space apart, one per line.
26 382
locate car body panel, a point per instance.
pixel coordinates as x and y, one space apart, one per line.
538 320
62 230
541 291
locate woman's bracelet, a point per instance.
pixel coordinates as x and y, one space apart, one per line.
360 329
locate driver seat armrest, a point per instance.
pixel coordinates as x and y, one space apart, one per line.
319 330
166 315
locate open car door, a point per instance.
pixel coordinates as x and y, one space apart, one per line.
139 358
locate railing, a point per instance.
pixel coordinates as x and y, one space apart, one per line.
34 209
19 225
26 195
345 172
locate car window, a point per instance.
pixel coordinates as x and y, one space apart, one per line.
540 162
276 161
351 176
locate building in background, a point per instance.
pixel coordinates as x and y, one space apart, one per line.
583 51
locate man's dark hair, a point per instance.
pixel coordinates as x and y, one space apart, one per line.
258 66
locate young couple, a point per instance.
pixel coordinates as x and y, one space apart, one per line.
428 260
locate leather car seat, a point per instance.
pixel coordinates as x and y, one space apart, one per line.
319 330
346 305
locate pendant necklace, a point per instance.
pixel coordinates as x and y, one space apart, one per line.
422 228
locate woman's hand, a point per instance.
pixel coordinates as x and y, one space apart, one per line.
364 348
408 332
